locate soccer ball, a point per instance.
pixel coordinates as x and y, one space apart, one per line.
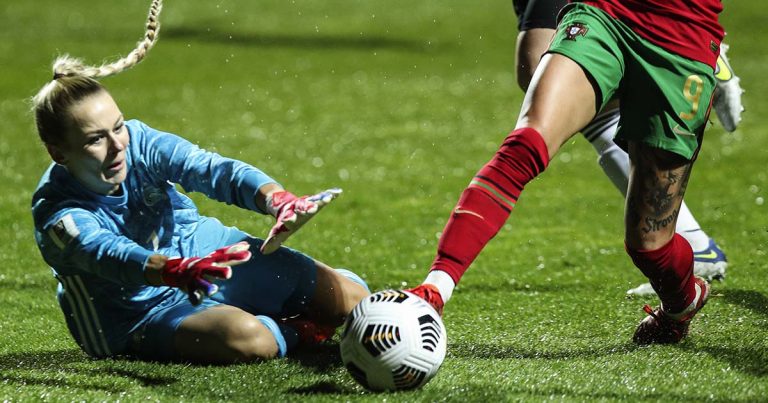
393 340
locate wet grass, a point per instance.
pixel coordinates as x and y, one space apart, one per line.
398 103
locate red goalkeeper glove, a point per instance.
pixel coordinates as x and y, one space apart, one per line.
291 213
195 274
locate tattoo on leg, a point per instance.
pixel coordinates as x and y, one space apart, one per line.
657 187
658 196
672 177
659 199
653 224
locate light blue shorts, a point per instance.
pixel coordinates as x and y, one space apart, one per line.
277 285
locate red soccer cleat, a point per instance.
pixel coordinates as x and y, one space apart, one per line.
431 294
660 327
311 333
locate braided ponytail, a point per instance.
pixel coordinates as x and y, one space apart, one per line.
73 80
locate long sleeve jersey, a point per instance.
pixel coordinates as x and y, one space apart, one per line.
97 245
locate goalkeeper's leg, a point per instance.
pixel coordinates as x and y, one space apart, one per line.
337 292
225 334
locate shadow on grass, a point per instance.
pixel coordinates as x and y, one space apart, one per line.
323 388
750 299
750 359
527 288
61 369
323 359
254 39
495 351
532 392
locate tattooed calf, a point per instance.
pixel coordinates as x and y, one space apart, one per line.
652 224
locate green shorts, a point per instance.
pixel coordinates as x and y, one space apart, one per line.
665 98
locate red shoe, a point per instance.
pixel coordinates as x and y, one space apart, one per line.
431 294
664 328
311 333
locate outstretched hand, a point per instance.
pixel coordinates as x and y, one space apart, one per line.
195 274
291 213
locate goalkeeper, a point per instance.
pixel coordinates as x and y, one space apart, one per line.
137 265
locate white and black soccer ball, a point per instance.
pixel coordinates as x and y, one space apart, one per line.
393 340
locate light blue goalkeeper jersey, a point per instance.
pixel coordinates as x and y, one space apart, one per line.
97 245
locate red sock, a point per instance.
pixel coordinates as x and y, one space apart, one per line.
489 199
670 271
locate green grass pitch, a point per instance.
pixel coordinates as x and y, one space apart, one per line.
399 103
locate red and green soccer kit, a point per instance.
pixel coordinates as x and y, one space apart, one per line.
688 28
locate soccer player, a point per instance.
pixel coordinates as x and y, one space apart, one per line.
658 59
537 20
135 260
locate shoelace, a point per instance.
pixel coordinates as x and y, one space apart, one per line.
647 308
665 321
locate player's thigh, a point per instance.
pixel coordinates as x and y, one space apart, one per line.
657 183
154 338
176 330
581 72
278 285
223 334
288 283
335 295
559 102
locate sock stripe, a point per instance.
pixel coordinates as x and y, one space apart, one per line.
507 204
501 189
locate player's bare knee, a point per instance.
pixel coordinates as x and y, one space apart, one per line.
353 296
249 340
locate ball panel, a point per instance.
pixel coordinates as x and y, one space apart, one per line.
406 377
379 338
393 340
430 332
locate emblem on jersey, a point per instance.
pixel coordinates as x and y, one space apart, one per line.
64 231
714 47
152 195
574 30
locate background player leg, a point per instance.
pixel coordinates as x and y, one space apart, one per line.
531 45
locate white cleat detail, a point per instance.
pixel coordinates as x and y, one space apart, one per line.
642 290
727 99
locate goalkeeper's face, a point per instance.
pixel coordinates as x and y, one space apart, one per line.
94 150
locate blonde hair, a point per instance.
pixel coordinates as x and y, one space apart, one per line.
73 81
